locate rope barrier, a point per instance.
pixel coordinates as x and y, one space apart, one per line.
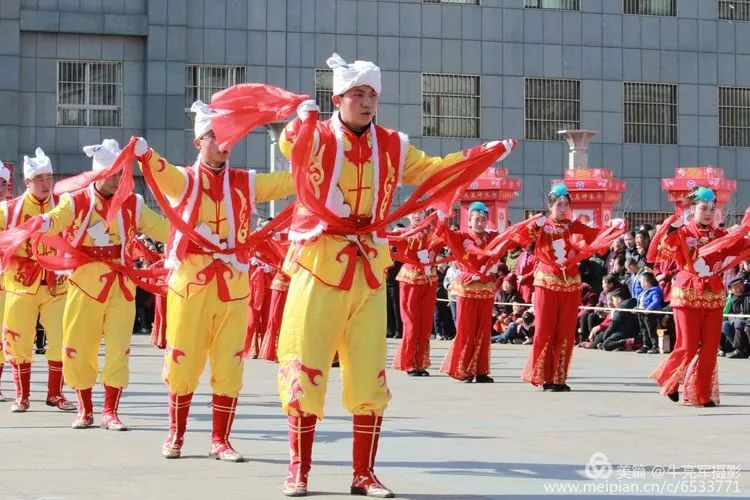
606 309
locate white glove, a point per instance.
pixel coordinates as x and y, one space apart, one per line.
679 222
141 147
305 107
441 216
540 221
618 223
46 225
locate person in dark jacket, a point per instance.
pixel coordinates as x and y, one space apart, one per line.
651 299
737 330
624 325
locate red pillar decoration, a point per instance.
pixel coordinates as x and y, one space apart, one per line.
593 191
496 190
686 179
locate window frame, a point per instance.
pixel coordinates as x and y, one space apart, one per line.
87 83
478 98
526 118
676 106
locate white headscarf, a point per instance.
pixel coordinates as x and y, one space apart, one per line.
203 117
104 154
4 172
349 75
40 164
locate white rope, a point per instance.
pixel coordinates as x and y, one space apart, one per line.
607 309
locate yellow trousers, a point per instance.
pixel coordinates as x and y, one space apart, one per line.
85 322
202 327
320 320
19 327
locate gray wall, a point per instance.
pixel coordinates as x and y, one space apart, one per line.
282 41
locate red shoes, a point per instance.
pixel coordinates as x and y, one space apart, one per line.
179 407
110 420
224 408
301 437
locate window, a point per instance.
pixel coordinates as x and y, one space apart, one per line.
203 81
551 105
650 113
450 105
89 94
324 92
464 2
651 7
553 4
734 117
734 10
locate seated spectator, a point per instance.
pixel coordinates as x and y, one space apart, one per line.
589 298
521 328
508 295
736 331
650 300
592 318
623 325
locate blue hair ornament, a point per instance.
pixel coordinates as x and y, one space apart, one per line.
478 206
559 190
704 194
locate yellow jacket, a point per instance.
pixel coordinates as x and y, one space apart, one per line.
212 221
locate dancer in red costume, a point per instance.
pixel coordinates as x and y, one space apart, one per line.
702 252
418 292
559 245
278 291
468 358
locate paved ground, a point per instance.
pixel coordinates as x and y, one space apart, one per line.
442 439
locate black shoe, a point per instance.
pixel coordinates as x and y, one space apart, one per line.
653 350
485 379
424 373
710 404
642 350
564 387
557 388
467 380
547 387
414 373
738 355
674 396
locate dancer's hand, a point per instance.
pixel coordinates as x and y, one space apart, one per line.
305 107
141 147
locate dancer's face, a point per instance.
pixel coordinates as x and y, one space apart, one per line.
416 218
40 186
357 106
704 212
477 222
210 152
560 209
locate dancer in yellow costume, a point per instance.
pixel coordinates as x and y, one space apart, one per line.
208 289
100 301
337 297
4 178
32 293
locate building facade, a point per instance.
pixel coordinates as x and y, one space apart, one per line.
665 82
